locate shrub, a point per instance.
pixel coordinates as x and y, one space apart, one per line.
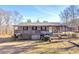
70 34
15 37
45 38
74 35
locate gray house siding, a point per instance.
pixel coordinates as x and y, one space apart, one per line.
33 31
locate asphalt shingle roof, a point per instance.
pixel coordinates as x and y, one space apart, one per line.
41 24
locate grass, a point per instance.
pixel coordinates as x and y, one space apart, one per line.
38 47
5 36
59 46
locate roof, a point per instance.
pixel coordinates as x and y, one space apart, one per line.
41 24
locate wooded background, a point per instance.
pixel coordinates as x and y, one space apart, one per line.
7 20
69 16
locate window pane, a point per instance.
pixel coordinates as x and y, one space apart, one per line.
34 28
43 28
25 28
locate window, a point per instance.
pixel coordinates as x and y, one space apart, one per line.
34 28
43 28
16 28
20 27
25 28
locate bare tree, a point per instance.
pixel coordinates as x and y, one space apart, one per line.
73 14
7 19
0 22
3 16
38 21
16 18
64 16
28 20
45 21
69 15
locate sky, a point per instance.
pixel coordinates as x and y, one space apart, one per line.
48 13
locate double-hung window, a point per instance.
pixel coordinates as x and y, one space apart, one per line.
34 28
43 27
25 28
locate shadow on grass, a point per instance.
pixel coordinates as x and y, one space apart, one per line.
11 39
15 49
67 48
70 47
77 45
56 41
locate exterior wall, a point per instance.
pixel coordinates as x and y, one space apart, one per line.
20 28
56 29
48 29
30 30
62 29
35 34
76 28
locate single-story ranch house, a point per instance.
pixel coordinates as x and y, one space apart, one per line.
34 30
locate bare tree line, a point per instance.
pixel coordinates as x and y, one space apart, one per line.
70 15
7 20
38 21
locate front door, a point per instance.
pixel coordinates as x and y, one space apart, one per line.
50 29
